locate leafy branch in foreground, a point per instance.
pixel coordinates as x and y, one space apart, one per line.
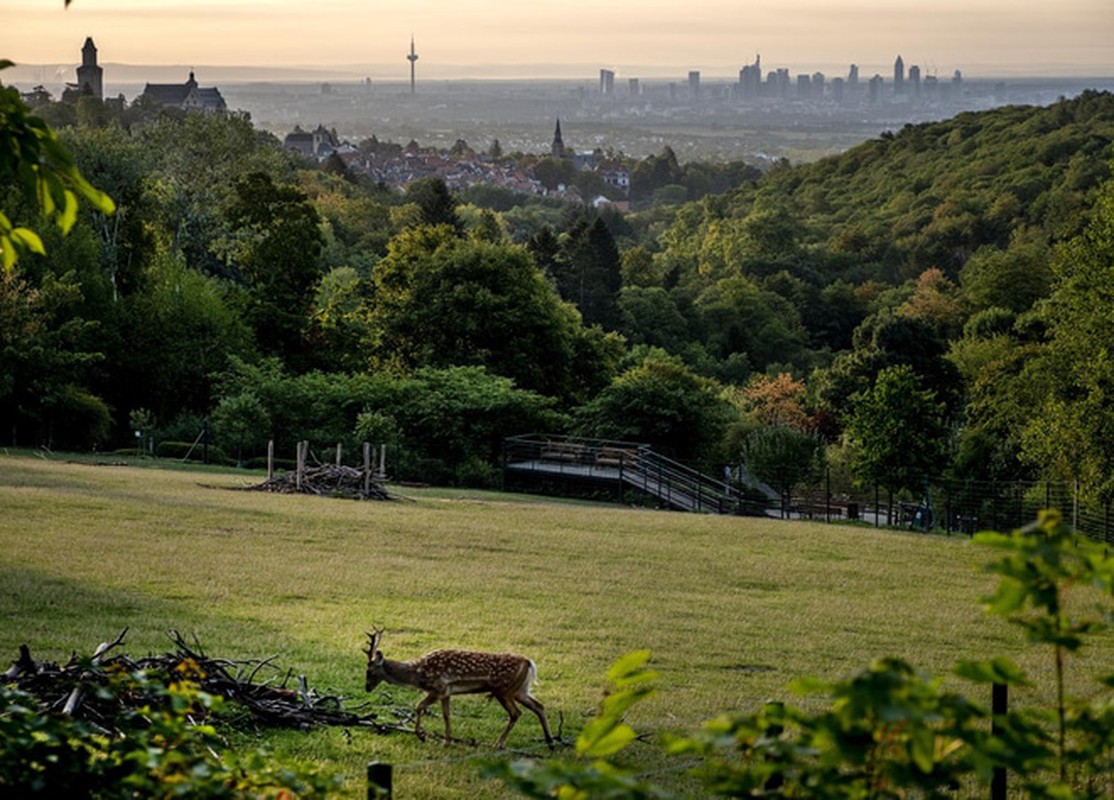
890 731
594 774
34 159
167 747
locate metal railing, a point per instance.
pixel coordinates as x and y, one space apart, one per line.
629 464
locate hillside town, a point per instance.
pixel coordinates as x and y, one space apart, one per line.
460 167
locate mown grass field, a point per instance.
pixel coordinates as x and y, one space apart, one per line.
732 608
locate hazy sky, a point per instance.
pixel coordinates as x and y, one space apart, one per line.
981 37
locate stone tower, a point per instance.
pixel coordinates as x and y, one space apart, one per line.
90 77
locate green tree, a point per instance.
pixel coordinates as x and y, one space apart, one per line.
197 161
665 405
173 336
115 161
1015 278
276 249
442 301
46 359
241 421
1071 435
435 202
784 458
899 431
454 421
886 339
650 316
589 272
737 317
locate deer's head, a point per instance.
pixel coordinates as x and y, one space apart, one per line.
375 674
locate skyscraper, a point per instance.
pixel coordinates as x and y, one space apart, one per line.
750 79
915 80
607 81
899 76
694 84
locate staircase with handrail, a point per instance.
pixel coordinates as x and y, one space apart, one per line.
626 464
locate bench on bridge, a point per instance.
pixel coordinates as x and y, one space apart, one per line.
569 452
616 457
813 511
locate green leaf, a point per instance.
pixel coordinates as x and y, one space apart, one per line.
7 252
608 744
628 665
28 240
922 749
69 211
996 670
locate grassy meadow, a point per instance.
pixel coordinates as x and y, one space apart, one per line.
732 608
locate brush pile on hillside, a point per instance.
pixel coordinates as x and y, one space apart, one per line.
328 480
77 688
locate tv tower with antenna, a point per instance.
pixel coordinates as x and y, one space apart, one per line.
412 58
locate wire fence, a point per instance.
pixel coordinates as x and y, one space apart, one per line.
951 506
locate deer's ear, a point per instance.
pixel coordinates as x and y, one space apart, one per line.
378 658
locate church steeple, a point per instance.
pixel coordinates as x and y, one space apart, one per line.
558 146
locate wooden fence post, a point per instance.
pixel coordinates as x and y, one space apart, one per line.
270 459
367 468
380 781
339 451
383 461
303 450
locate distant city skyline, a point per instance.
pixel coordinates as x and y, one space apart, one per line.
646 39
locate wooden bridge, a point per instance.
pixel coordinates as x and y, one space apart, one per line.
620 465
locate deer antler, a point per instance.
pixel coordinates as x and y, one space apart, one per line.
374 635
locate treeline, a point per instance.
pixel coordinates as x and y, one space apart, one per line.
936 300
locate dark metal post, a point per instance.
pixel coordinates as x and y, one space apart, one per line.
380 781
948 507
776 780
1000 706
828 494
877 511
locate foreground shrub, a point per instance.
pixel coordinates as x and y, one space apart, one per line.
157 750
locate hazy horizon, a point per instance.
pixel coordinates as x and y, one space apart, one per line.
650 39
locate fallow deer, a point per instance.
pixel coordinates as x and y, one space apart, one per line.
443 673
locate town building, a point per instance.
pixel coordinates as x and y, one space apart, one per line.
187 96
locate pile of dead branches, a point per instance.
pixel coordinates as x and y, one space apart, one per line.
328 480
258 686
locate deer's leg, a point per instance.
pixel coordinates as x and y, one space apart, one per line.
536 706
512 712
427 701
445 714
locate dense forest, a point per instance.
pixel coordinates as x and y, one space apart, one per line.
933 302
